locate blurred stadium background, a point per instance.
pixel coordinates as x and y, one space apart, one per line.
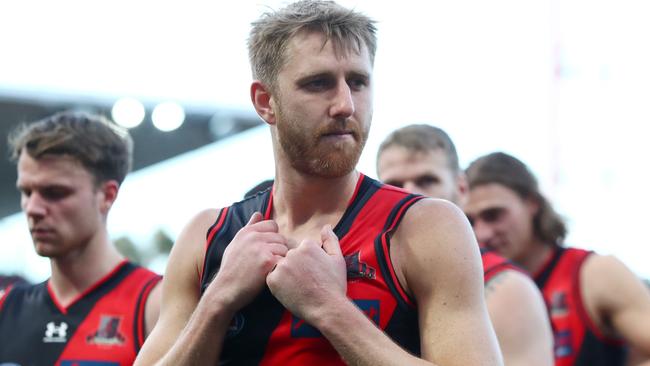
564 85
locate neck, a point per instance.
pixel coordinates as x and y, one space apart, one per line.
300 199
536 256
75 272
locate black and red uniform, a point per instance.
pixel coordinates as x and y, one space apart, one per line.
493 264
265 333
103 326
578 342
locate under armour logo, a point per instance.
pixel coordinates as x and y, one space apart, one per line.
55 333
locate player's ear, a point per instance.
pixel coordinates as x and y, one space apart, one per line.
463 188
533 205
263 101
107 194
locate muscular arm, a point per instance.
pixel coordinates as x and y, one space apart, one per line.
180 296
520 320
192 327
438 262
152 309
618 301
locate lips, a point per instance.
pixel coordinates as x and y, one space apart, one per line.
336 134
41 233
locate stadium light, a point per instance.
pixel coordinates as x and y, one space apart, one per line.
168 116
128 112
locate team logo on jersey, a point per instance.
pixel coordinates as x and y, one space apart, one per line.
302 329
56 333
108 333
563 346
558 305
356 268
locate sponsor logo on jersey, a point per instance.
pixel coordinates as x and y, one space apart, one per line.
563 346
358 269
302 329
108 333
559 306
56 333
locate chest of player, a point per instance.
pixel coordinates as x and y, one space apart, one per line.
578 342
102 327
263 332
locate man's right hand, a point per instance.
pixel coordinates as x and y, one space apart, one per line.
247 260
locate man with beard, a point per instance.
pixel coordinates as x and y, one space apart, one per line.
423 160
595 302
329 266
96 307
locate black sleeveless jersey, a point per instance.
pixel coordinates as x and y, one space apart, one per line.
578 342
265 333
103 326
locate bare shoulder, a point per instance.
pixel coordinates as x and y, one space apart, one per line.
520 319
510 284
616 299
435 238
194 234
605 280
202 221
186 258
597 264
511 291
179 292
435 254
435 216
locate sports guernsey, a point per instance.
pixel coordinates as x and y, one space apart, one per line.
578 342
265 333
494 264
103 326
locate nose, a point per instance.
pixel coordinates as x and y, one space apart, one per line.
343 103
34 205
